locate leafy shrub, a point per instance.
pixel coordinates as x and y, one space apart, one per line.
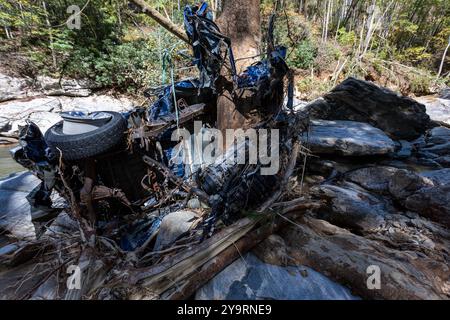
304 55
124 65
420 84
414 55
326 56
346 38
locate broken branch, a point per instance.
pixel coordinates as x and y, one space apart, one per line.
164 22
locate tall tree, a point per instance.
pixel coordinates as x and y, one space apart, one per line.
240 20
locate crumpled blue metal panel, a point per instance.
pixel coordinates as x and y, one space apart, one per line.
165 104
209 45
34 146
261 70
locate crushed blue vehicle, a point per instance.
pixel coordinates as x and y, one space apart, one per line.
120 169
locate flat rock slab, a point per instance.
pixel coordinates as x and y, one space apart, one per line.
13 88
15 211
438 135
249 278
348 138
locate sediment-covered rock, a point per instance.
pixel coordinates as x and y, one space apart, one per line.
374 178
404 183
45 111
432 203
13 88
346 257
64 87
352 207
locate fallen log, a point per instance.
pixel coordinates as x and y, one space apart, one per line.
164 22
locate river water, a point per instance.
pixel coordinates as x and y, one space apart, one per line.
7 164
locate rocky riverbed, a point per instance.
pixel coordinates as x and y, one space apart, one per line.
380 165
40 100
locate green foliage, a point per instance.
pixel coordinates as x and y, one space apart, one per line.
327 54
414 55
346 38
124 65
304 55
420 84
119 47
112 47
313 87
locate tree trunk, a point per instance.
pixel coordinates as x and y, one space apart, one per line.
443 59
50 33
240 20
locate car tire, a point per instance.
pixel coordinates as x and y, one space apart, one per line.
89 144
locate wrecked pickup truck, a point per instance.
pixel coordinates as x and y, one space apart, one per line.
115 169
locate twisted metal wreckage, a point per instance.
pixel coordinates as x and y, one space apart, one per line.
120 180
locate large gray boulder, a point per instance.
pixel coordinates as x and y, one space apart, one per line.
357 100
347 138
64 87
12 88
404 183
248 278
427 193
432 203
